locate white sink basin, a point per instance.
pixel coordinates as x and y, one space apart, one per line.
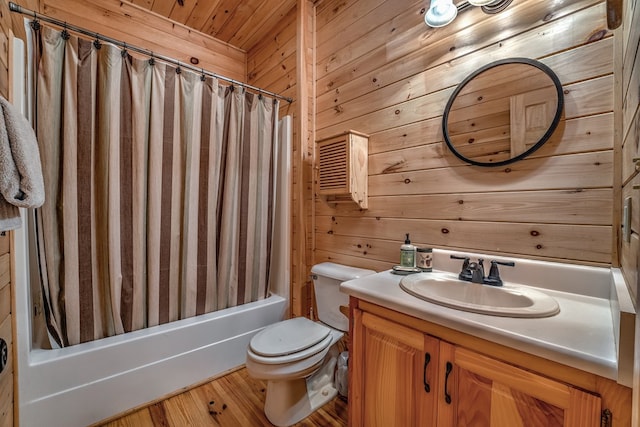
507 300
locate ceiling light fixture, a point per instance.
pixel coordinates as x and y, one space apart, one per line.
480 2
443 12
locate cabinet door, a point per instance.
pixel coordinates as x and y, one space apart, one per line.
486 392
393 374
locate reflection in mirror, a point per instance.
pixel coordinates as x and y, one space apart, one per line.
503 112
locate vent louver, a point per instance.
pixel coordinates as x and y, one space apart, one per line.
342 168
333 167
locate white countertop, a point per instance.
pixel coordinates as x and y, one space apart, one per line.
581 335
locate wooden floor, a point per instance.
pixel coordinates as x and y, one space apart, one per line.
235 400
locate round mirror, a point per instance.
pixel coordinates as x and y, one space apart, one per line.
503 112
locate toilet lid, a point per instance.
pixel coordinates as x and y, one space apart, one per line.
287 337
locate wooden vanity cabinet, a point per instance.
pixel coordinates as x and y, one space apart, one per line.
393 371
401 376
486 392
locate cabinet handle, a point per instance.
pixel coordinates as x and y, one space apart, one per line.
447 396
427 359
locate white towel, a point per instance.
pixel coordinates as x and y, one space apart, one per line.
21 183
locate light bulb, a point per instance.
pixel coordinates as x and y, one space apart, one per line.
441 13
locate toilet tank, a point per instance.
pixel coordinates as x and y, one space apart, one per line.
327 277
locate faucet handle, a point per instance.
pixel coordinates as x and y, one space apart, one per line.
465 272
494 274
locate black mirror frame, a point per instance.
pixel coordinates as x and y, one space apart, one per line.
543 139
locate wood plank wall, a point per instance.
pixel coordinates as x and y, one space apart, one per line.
132 24
381 71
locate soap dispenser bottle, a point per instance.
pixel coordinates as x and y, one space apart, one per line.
407 254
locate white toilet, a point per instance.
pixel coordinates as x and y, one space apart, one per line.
297 357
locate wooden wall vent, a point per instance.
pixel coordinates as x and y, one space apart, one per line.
342 168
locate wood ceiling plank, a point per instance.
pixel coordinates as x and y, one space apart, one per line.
221 15
260 25
201 13
147 4
181 13
163 7
239 16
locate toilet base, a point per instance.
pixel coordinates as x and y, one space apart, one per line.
290 401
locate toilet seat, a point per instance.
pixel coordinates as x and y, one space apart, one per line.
281 340
293 357
289 337
295 369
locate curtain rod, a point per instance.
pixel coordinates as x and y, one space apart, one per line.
37 16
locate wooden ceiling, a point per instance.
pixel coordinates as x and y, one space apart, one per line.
241 23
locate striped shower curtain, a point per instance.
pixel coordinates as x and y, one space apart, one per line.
159 190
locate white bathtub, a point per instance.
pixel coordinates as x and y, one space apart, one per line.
86 383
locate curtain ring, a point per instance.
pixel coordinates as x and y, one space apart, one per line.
96 42
35 24
65 34
202 76
152 61
178 69
123 52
